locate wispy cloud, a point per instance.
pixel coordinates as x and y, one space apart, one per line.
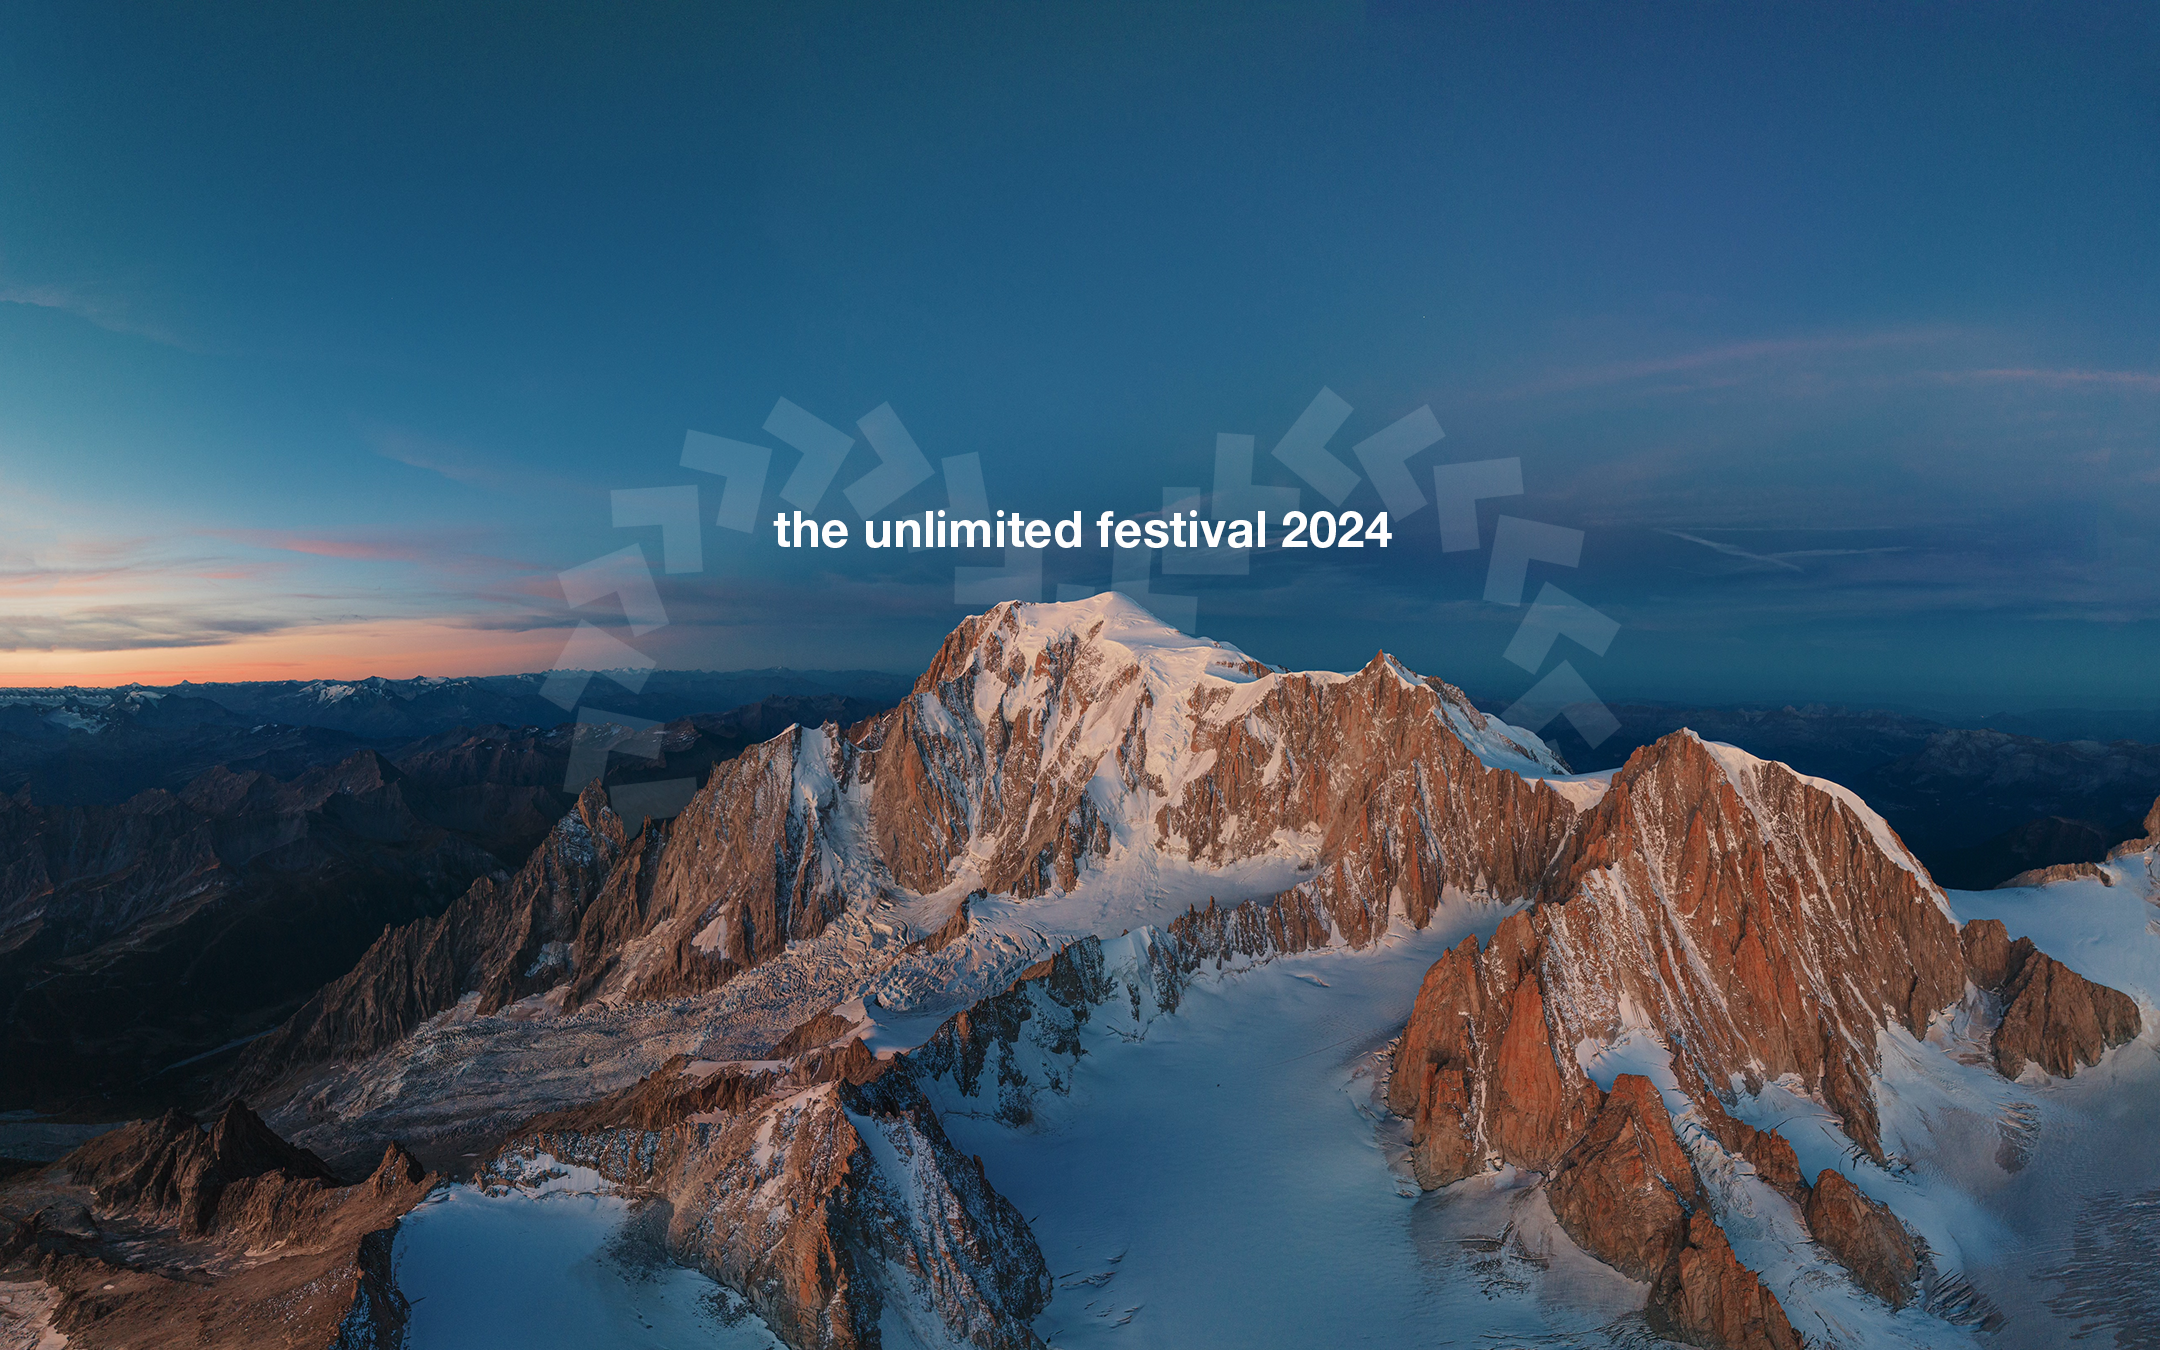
1733 551
350 549
108 628
1783 558
114 316
72 588
2140 381
465 465
1718 363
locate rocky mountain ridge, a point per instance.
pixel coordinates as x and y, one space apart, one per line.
1030 759
167 1234
137 938
1727 923
1977 801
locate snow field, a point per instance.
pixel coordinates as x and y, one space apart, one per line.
566 1265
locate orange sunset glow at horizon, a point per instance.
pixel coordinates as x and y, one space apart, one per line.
397 649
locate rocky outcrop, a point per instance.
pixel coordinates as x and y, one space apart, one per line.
1435 1069
833 1208
2054 872
1864 1236
1989 958
171 1170
172 1235
1625 1190
2051 1015
1762 921
1705 1297
821 1030
2149 842
2058 1019
1379 768
1767 1151
750 865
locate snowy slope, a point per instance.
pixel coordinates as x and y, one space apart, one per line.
2066 1172
1222 1176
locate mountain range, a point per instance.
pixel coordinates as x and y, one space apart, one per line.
1112 986
142 940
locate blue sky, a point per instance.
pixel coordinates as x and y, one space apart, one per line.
326 332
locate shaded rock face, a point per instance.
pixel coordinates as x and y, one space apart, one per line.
495 940
1864 1236
2052 1016
749 866
138 935
1988 956
2148 843
170 1170
1706 1297
227 1237
1754 916
1624 1191
2058 1019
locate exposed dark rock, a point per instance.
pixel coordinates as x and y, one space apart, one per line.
229 1238
830 1209
1989 958
1706 1297
173 1171
1766 1151
1864 1236
2058 1019
2052 1016
494 941
821 1030
1624 1191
